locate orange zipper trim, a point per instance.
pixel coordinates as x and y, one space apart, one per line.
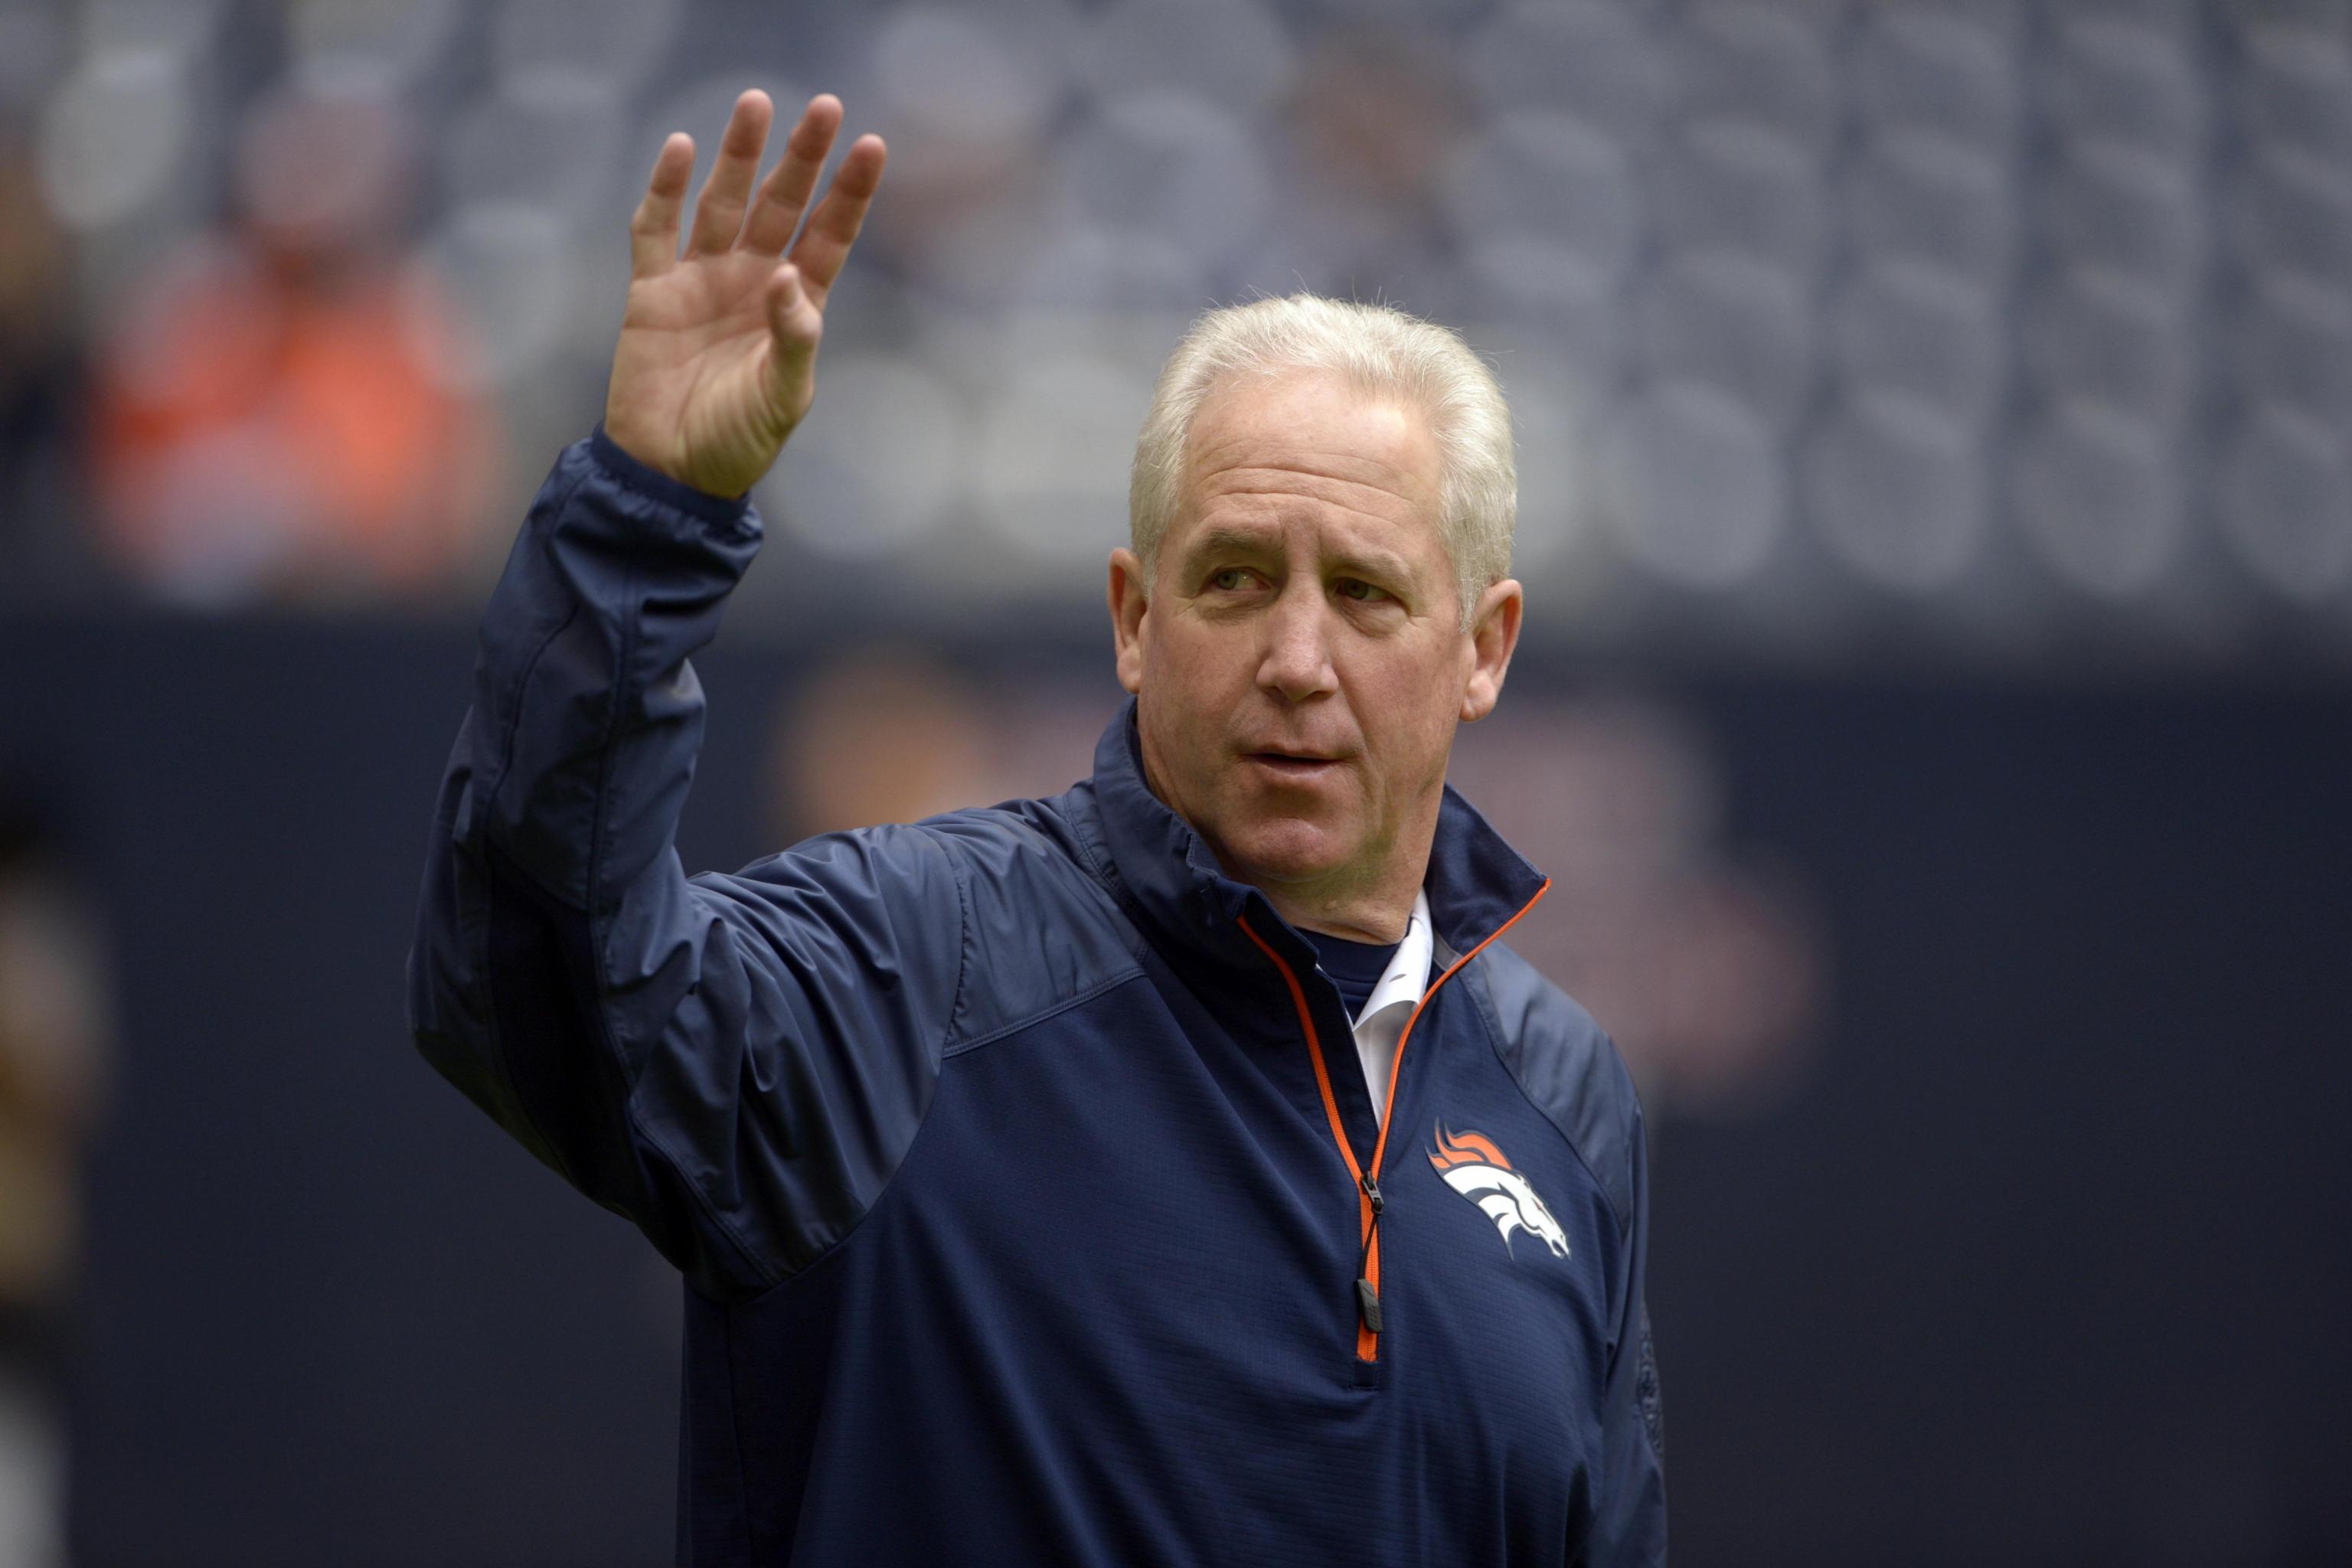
1368 1344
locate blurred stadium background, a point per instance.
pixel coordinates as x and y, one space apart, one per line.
1935 706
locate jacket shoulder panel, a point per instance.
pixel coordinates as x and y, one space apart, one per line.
1044 928
1566 1066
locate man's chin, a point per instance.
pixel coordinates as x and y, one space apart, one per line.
1287 849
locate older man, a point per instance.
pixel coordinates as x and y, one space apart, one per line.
1032 1206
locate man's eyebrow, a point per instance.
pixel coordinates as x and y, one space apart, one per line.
1376 563
1227 539
1230 539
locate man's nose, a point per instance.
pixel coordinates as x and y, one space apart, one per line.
1297 658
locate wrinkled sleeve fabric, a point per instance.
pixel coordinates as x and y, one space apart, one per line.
1628 1526
736 1063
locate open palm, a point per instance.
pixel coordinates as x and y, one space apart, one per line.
717 358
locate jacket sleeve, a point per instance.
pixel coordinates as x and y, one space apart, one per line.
1628 1526
735 1063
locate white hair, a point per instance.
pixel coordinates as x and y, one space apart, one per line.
1383 351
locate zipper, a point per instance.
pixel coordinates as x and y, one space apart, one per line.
1369 1201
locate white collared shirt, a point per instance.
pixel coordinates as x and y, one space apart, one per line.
1392 1000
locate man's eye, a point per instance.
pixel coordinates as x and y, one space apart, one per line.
1370 594
1218 581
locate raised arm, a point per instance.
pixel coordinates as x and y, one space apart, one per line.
736 1063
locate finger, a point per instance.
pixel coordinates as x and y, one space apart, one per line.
653 230
776 211
833 228
795 325
718 214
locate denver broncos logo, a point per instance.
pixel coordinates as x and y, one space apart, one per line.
1474 1167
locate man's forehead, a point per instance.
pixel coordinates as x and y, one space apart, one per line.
1243 492
1266 432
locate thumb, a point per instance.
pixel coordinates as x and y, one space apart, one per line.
794 324
794 319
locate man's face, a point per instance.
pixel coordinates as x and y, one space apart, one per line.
1299 661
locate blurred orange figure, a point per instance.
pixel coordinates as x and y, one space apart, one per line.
269 423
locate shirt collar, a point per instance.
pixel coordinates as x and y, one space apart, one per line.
1408 971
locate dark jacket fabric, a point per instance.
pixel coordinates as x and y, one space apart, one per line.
1030 1201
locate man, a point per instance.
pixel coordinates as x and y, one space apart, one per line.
1032 1206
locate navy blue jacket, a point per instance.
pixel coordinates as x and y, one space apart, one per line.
1018 1162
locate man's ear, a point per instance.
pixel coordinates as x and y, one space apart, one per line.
1129 606
1494 633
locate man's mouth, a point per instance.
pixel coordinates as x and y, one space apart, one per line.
1284 764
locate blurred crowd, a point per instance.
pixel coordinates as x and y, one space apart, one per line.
2000 331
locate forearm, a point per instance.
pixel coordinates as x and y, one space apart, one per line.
553 900
587 715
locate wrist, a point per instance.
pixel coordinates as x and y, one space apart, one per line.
647 479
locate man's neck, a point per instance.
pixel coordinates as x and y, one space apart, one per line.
1368 903
1371 903
1377 917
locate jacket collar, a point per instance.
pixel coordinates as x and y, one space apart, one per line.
1476 881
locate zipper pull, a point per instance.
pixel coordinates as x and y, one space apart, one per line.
1368 1300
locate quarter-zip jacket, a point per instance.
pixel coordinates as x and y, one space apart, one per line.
1024 1212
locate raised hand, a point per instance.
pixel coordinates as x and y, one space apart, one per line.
717 360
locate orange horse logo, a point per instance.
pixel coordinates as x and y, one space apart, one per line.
1474 1167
